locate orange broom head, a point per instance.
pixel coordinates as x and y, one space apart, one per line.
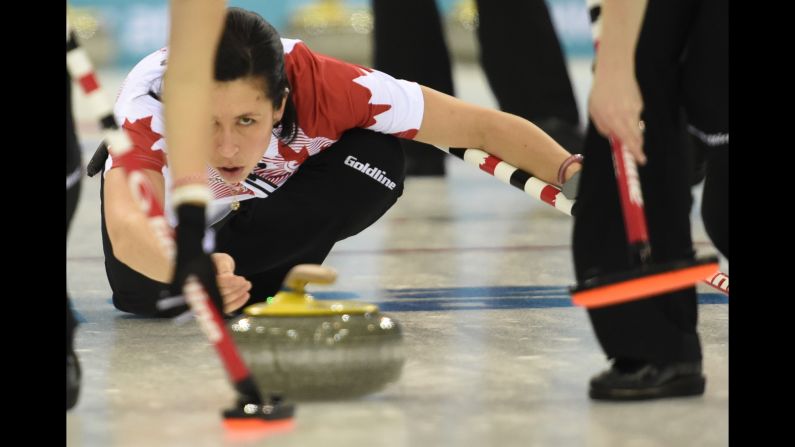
642 283
241 429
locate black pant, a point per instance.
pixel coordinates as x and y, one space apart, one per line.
73 166
682 60
520 54
326 201
715 199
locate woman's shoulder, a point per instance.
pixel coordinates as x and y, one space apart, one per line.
145 78
141 92
290 44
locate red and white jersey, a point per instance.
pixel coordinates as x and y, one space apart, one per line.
330 98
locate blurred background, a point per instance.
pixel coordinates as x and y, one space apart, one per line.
118 33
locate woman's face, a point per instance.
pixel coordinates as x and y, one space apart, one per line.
243 119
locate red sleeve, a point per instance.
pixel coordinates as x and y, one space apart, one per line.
142 156
332 96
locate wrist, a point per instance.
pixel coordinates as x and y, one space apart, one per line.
569 167
193 194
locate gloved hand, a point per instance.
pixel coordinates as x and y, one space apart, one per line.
191 258
571 186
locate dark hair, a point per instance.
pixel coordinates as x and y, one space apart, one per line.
251 47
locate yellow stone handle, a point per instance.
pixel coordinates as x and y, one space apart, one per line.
298 277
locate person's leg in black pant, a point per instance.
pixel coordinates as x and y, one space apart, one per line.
409 44
659 330
526 68
715 200
706 92
653 341
73 173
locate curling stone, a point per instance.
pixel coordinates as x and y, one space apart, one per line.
307 350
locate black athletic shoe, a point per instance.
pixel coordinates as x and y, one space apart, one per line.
647 381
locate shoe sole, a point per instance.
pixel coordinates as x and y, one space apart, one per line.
686 386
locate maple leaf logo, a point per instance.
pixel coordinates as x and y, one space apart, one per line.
142 154
141 133
292 158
